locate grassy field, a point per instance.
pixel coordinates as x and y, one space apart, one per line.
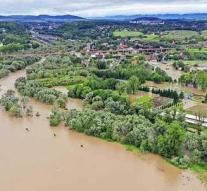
125 34
133 97
180 35
197 50
195 62
148 38
144 99
196 53
204 34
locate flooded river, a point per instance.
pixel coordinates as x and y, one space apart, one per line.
38 161
171 71
168 68
72 103
177 87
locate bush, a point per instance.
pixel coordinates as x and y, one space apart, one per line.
181 162
55 117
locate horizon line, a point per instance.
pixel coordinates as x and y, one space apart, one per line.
114 15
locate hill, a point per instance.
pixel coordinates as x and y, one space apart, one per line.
40 18
191 16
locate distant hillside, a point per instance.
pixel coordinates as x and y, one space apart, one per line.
147 18
192 16
40 18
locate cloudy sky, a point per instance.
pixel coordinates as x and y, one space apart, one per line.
90 8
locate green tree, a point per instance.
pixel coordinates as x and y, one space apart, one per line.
133 84
15 110
201 79
56 117
170 144
121 87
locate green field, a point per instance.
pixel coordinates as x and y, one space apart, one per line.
195 62
125 34
180 35
197 54
145 102
204 34
148 38
137 36
197 50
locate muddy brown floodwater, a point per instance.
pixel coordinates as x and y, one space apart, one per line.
38 161
72 103
171 71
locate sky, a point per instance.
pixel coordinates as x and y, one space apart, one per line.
94 8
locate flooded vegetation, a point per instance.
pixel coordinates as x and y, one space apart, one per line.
72 102
175 86
47 163
168 68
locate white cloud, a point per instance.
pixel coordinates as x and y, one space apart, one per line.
100 8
